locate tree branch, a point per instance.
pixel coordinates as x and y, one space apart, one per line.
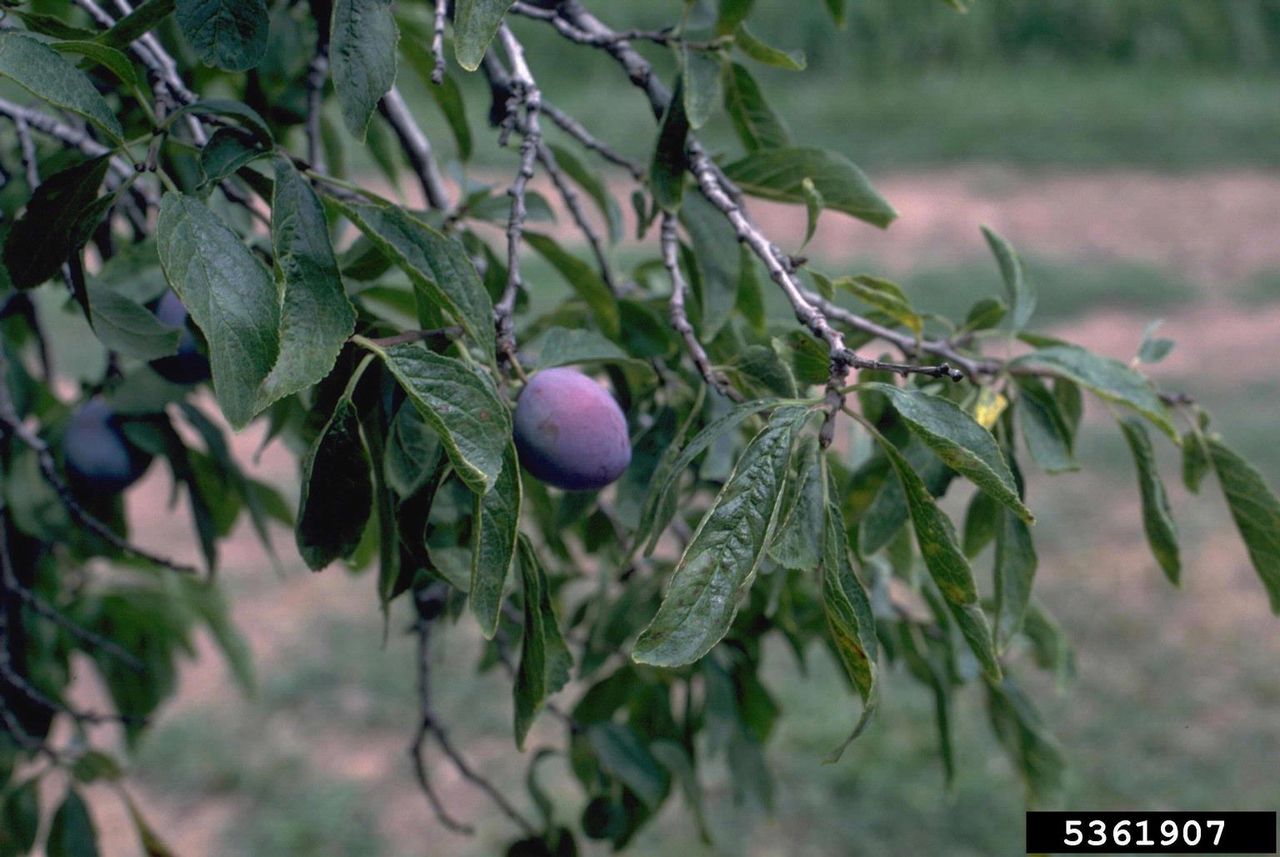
437 41
577 131
680 318
428 603
524 93
416 147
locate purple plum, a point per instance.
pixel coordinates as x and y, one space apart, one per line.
99 457
188 365
570 432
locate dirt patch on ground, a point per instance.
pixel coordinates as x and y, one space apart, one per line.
1214 228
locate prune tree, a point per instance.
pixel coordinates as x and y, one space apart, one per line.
174 174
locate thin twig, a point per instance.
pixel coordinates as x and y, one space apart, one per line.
679 316
428 604
416 147
578 131
91 638
664 36
437 41
317 74
417 336
573 202
524 93
28 147
427 601
9 586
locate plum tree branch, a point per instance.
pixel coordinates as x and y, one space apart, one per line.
589 141
428 603
437 41
417 148
524 93
680 317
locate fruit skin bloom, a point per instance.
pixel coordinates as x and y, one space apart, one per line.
99 457
570 432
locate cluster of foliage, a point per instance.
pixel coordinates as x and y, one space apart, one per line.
175 174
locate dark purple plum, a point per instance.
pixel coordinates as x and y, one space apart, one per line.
569 431
99 457
188 365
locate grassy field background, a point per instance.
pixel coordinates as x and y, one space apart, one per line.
1133 162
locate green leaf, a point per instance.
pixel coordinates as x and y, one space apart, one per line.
152 844
494 528
438 266
461 404
584 279
813 205
1022 297
225 107
837 10
1195 461
337 491
595 187
797 542
545 660
716 249
316 318
981 520
1157 517
46 74
53 226
20 818
1153 349
1015 571
413 452
71 834
701 73
109 58
885 296
230 296
227 34
211 605
731 14
847 610
624 757
777 174
1107 378
758 127
1021 730
959 441
49 25
944 559
1044 427
985 314
666 170
767 54
726 550
126 326
227 150
362 58
144 18
563 347
1256 512
656 512
475 23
